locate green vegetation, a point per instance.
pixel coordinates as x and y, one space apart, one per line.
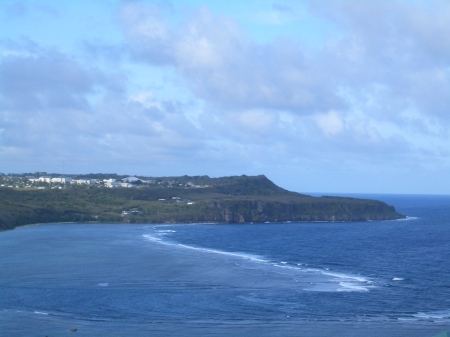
241 199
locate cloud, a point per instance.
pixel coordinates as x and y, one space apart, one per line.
54 108
330 123
45 81
379 45
221 64
398 45
366 94
148 35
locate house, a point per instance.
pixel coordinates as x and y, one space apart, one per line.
127 185
112 183
61 180
130 179
84 181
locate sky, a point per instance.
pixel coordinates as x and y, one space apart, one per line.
344 96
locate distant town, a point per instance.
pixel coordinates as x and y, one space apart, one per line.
42 180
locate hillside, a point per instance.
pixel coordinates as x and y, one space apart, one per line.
242 199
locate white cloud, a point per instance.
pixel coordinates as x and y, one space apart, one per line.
148 35
221 64
330 123
146 99
258 121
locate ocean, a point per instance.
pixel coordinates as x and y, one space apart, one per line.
377 278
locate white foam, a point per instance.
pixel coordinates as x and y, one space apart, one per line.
322 287
347 276
351 286
408 218
234 254
347 282
337 282
151 238
435 315
214 251
41 313
103 284
397 279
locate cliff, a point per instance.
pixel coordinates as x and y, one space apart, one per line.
240 199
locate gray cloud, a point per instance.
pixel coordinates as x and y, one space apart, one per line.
395 46
148 35
56 109
42 82
398 45
375 84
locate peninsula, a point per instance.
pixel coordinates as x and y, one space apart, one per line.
105 198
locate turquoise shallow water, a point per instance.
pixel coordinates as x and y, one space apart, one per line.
297 279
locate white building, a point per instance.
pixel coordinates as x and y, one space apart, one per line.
84 181
111 183
61 180
127 185
130 179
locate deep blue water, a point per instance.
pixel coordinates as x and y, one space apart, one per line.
388 278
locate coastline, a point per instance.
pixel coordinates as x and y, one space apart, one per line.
50 223
405 218
227 200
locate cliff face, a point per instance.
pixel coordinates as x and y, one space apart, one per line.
225 200
338 210
246 211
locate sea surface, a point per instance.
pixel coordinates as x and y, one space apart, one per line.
388 278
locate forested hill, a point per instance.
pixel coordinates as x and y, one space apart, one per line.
238 199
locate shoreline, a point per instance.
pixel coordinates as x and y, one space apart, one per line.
48 223
405 218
